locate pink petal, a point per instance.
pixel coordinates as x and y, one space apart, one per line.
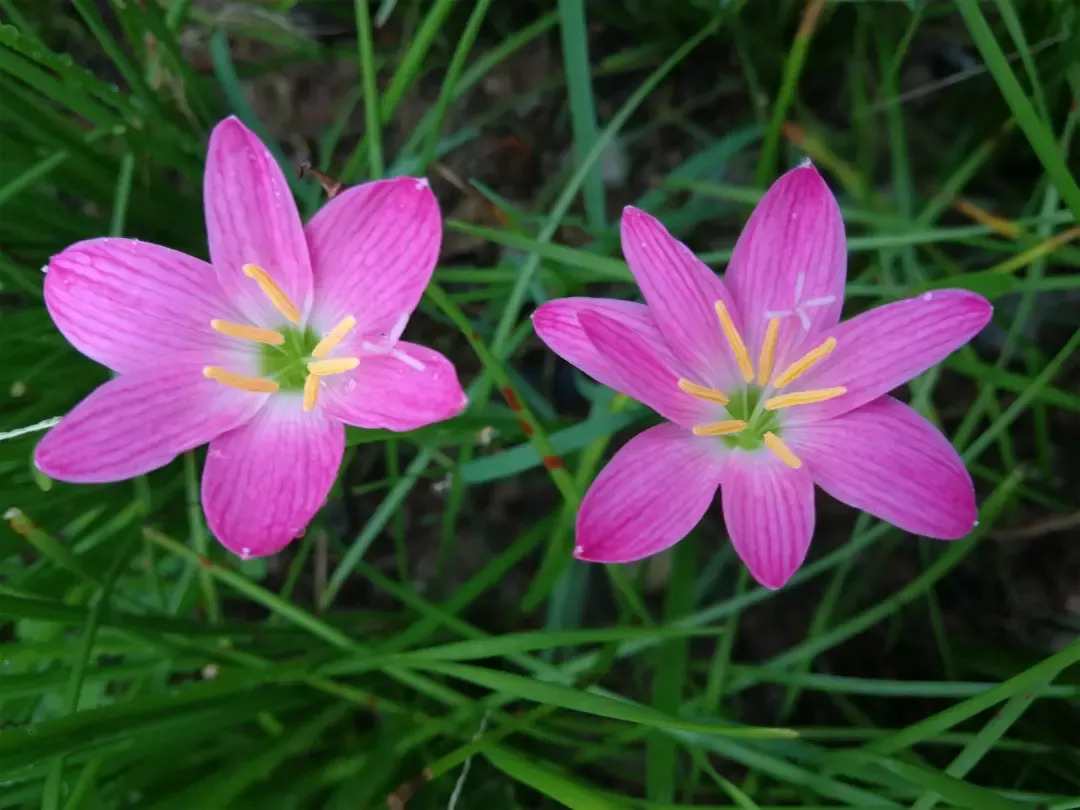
887 346
264 482
790 261
886 459
681 292
141 421
251 218
557 324
649 496
373 250
769 512
639 371
405 389
129 304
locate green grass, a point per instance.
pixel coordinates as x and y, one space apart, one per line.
430 643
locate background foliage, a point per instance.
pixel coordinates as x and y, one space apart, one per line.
428 642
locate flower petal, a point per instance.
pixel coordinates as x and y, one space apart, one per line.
557 324
769 512
790 261
887 346
649 496
405 389
141 421
681 292
638 371
886 459
251 218
373 250
129 304
264 482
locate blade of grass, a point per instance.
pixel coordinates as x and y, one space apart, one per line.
369 81
793 65
1041 139
575 48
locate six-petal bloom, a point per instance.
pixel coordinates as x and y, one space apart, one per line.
289 333
764 392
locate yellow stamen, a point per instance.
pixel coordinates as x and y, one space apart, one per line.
335 365
783 452
742 356
259 385
720 428
244 332
311 391
272 291
768 349
703 392
327 344
803 398
803 363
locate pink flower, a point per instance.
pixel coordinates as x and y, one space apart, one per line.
764 392
288 334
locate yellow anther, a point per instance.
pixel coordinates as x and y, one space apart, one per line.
797 368
703 392
742 356
768 350
335 365
245 332
720 428
272 291
803 398
311 391
783 452
259 385
334 337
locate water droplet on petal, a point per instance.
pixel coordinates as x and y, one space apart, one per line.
245 553
926 296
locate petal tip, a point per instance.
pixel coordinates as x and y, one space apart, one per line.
636 222
228 125
771 580
592 554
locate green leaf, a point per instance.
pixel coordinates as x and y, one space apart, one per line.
554 785
566 697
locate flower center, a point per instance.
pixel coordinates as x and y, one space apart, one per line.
753 410
291 359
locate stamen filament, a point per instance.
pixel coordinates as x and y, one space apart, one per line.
245 332
783 452
335 365
311 391
742 356
720 428
259 385
272 291
797 368
768 350
703 392
803 398
334 337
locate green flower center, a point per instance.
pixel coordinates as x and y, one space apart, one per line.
744 406
753 410
287 364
